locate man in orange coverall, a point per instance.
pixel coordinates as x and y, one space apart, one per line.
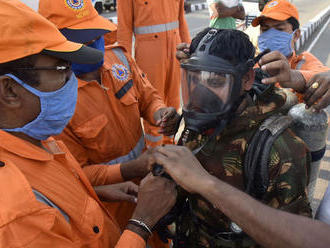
46 199
279 26
158 26
112 97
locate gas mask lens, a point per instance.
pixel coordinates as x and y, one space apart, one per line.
206 92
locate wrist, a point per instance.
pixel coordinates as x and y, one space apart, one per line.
144 218
297 80
139 231
128 170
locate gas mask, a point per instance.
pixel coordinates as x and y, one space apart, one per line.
211 88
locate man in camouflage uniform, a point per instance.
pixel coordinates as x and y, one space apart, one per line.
223 154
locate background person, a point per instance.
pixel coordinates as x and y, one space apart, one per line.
224 13
157 27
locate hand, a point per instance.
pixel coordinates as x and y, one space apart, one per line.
118 192
157 196
182 166
182 52
277 65
319 96
168 119
138 167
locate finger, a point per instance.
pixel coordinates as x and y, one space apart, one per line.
161 159
170 151
308 93
126 197
171 122
168 130
270 80
169 113
273 67
158 122
270 57
132 189
182 46
309 89
313 79
180 55
146 179
316 95
323 102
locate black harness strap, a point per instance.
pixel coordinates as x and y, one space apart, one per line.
120 93
256 174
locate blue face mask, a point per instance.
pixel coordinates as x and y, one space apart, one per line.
276 40
84 68
57 108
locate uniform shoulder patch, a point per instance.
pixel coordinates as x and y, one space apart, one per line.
120 72
272 4
75 4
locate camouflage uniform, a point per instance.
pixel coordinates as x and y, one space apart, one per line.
223 157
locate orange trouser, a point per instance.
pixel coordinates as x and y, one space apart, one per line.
155 55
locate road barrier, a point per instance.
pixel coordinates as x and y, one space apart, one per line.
309 29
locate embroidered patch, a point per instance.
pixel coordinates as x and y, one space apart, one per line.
75 4
272 4
120 72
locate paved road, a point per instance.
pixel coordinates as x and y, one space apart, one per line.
308 9
321 49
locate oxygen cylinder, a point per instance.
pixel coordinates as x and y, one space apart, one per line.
312 128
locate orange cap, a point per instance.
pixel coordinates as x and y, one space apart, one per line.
77 19
280 10
24 32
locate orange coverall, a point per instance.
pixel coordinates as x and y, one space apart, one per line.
74 217
158 26
106 127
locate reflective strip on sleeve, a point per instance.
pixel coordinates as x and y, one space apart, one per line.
43 199
153 138
121 56
156 28
133 154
